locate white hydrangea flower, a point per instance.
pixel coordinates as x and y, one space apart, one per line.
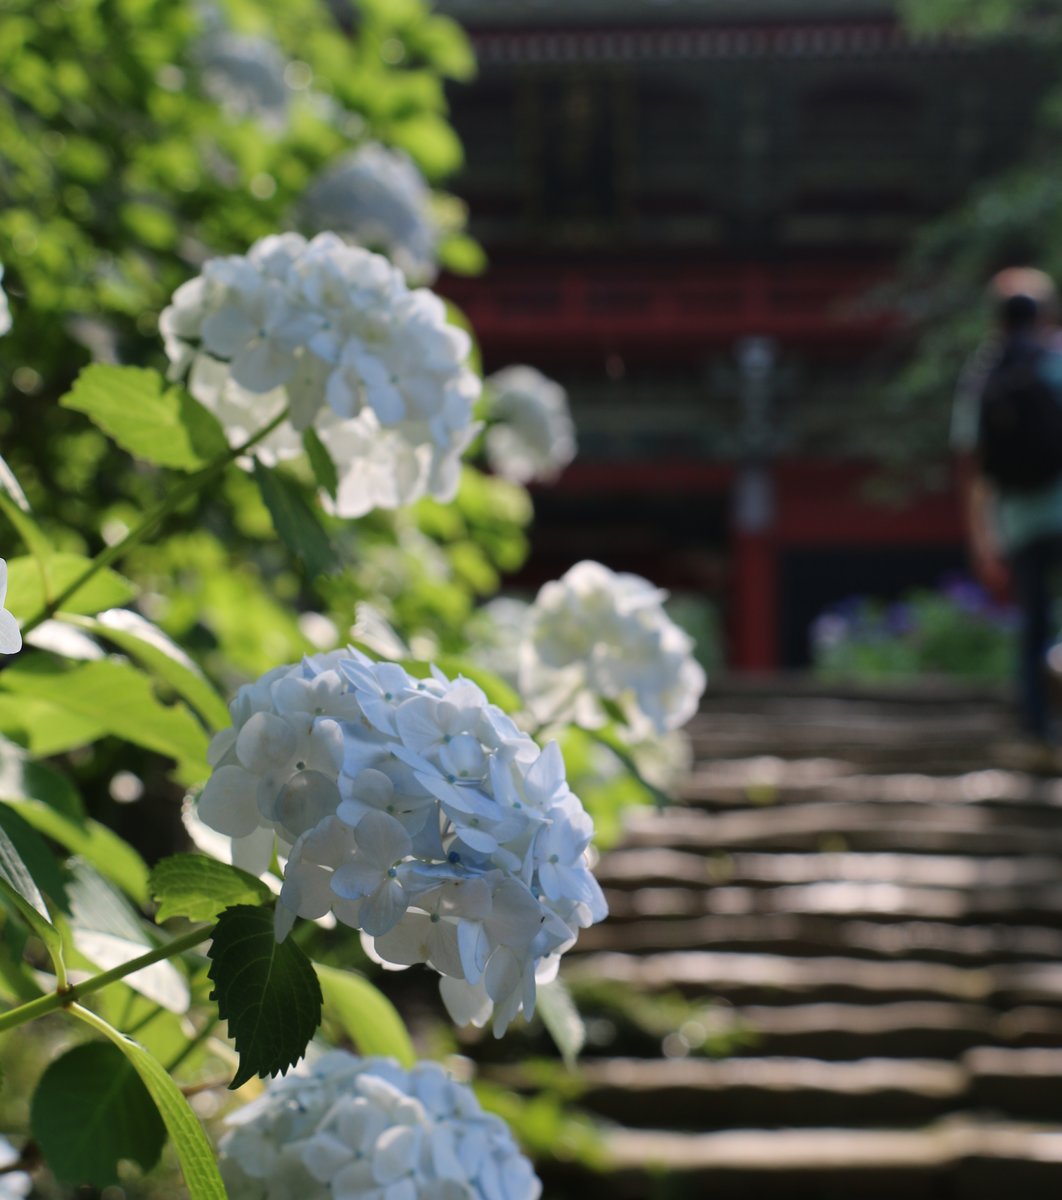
531 435
377 198
595 633
332 332
13 1184
352 1128
414 811
5 310
10 635
496 631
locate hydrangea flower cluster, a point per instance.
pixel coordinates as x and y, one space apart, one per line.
377 198
365 1129
5 311
598 633
415 811
531 435
244 75
332 333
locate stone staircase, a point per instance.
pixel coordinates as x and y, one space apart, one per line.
860 900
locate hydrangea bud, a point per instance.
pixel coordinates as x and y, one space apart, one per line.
415 811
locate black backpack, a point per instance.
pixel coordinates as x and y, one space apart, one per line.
1019 439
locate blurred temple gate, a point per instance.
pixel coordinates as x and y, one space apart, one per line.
655 184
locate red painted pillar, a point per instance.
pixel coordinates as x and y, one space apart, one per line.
754 593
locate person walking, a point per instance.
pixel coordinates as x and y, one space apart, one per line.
1007 436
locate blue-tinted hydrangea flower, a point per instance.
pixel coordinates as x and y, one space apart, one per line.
414 811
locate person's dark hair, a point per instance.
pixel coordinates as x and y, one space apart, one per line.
1018 313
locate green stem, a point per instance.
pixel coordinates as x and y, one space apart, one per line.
172 500
70 995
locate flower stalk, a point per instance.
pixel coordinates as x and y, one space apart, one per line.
65 997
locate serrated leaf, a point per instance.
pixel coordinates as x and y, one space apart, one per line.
156 423
324 469
26 588
142 640
365 1015
560 1016
267 991
109 932
194 1151
90 1111
296 523
197 887
119 697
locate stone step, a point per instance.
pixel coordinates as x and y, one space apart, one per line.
814 935
781 979
839 898
956 1159
646 866
700 1094
767 779
828 826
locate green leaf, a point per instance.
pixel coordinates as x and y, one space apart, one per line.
296 523
18 885
324 469
614 743
142 640
560 1016
90 1111
34 852
49 802
117 695
26 588
267 991
10 486
197 887
45 728
365 1014
109 932
194 1151
162 425
25 526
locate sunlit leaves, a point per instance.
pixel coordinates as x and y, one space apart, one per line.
267 991
161 425
119 699
197 887
30 585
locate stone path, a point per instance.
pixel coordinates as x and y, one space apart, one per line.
861 902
